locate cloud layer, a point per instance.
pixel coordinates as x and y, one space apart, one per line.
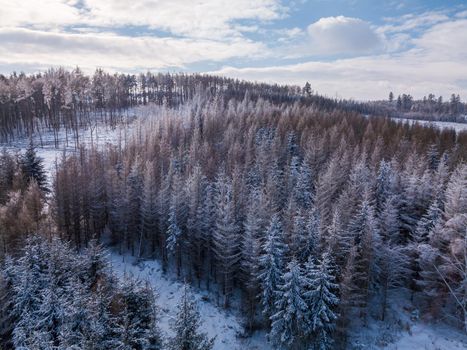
340 55
434 64
91 50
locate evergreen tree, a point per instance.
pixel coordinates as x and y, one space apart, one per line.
250 253
323 300
186 326
389 221
226 245
149 212
33 167
272 263
367 241
136 327
303 191
174 237
290 324
134 196
339 240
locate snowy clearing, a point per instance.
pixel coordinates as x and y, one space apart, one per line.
458 127
219 323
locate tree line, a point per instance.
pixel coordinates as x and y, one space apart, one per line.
63 100
59 99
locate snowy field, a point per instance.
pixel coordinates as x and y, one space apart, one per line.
458 127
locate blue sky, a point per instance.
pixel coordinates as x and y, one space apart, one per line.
358 49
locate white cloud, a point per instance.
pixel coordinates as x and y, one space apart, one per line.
362 78
335 35
43 13
88 50
413 21
462 14
199 19
436 63
415 53
207 18
445 41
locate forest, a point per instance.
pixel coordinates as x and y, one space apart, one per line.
60 99
292 207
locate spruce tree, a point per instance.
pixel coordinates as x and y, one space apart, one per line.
272 263
186 328
226 244
33 167
290 323
174 237
323 301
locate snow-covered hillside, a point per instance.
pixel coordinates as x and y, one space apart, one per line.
224 325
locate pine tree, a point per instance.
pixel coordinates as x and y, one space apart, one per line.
33 167
367 241
96 265
290 321
385 182
272 263
226 245
134 192
174 237
347 288
393 272
149 212
428 222
250 253
77 328
186 326
307 235
327 189
205 217
339 240
389 221
303 190
136 326
323 300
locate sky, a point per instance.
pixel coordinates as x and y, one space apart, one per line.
360 49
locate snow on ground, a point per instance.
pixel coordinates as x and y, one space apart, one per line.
217 322
100 136
457 127
403 330
436 337
412 335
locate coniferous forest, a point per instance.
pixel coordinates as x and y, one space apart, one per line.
306 216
